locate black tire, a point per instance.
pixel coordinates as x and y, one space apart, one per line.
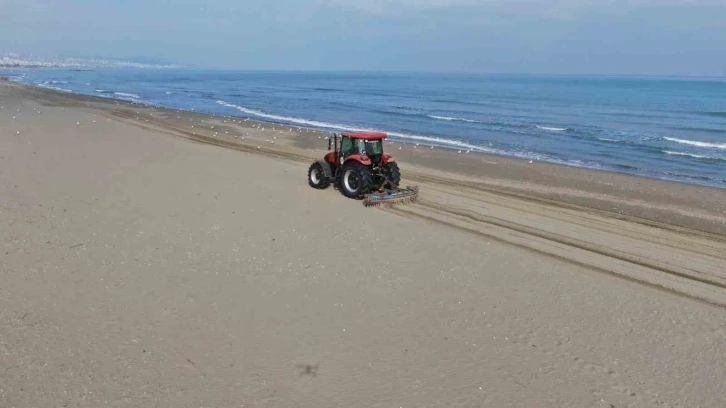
316 177
394 174
355 180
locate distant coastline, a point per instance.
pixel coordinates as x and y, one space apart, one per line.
15 61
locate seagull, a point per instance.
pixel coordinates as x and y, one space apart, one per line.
18 132
78 123
258 147
274 138
399 147
459 151
468 151
432 147
530 162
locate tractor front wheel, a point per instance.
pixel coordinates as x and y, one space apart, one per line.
356 179
316 177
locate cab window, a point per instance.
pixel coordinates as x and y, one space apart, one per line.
346 146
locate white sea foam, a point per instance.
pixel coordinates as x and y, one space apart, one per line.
695 156
55 88
605 139
696 143
314 123
450 119
552 129
127 95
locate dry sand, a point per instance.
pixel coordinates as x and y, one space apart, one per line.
140 268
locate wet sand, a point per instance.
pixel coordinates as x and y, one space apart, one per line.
154 258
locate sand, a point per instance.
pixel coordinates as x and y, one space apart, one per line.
146 262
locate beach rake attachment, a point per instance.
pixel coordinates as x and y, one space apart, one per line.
391 196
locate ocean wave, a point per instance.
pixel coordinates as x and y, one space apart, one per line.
54 88
691 176
553 129
451 119
695 156
696 143
336 126
103 91
127 95
605 139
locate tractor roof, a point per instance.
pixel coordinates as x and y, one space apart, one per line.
366 135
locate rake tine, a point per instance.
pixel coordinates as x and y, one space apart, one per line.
410 194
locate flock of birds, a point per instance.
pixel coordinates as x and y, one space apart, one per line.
261 127
258 126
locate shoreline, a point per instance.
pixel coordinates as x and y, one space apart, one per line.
680 204
639 173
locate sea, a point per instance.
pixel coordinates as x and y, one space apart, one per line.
660 127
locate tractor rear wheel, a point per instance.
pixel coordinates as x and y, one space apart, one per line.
394 174
316 177
355 180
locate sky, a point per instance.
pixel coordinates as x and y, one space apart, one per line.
634 37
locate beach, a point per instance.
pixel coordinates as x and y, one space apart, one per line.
155 257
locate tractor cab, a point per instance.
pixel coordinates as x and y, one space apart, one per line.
361 146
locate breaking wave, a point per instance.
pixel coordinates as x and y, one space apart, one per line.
127 95
450 119
336 126
553 129
54 88
695 156
696 143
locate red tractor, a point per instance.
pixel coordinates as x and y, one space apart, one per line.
357 165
